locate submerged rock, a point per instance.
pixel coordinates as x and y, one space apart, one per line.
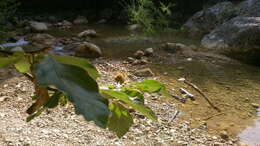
206 20
88 50
149 52
174 47
146 72
88 33
139 54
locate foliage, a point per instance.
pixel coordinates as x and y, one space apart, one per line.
58 79
7 9
150 16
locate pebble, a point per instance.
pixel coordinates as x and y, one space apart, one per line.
224 135
255 105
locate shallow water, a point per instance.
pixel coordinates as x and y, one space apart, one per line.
251 135
230 85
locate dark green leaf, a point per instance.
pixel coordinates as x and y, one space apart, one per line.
81 89
135 94
31 117
54 100
135 105
120 120
80 62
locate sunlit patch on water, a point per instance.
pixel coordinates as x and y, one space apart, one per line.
251 135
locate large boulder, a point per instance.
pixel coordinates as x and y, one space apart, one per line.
206 20
88 50
249 8
239 34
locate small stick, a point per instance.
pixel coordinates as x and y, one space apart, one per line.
188 94
174 116
183 100
218 114
198 90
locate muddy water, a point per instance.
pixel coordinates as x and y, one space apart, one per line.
231 86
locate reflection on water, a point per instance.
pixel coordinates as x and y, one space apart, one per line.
251 135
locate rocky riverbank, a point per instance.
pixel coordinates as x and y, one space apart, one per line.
61 126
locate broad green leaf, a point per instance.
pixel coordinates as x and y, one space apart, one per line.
135 94
150 86
23 65
80 62
75 82
54 100
135 105
11 60
120 120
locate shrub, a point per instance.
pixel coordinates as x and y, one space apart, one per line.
152 17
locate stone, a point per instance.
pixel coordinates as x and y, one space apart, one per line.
16 49
149 52
139 54
38 26
80 20
43 40
206 20
249 8
64 24
88 33
234 35
174 47
52 19
255 105
146 72
134 27
88 50
224 135
130 59
101 21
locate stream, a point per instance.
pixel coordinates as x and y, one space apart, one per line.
232 85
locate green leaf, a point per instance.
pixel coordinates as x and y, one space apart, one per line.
23 65
120 120
11 60
135 105
150 86
75 82
54 100
80 62
135 94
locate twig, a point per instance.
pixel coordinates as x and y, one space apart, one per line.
174 116
29 77
183 100
188 94
218 114
198 90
